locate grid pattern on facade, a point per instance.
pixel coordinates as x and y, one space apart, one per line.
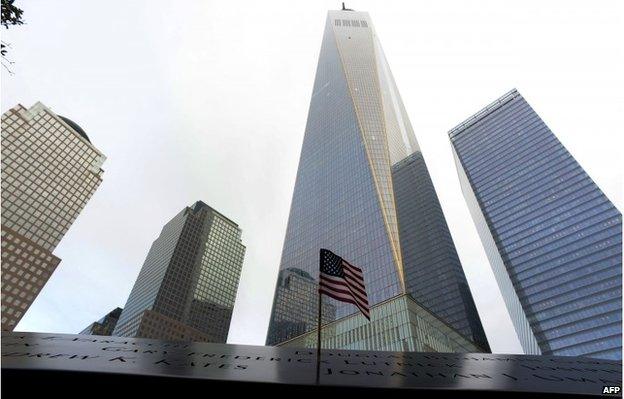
399 324
335 203
105 325
433 272
49 172
351 22
557 234
128 326
344 199
190 276
156 326
295 289
181 272
512 302
147 285
399 132
215 289
358 58
26 267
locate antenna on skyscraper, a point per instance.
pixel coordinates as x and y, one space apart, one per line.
344 8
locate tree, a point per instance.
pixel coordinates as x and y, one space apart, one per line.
11 15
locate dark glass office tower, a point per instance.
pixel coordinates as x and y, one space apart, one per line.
294 286
105 325
434 275
350 199
554 240
187 286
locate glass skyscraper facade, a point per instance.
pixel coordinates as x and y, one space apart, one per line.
554 240
187 286
434 275
50 170
349 198
399 324
105 325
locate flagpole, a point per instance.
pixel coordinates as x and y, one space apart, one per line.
318 337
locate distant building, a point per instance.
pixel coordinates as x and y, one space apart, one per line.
554 240
187 286
294 288
363 191
105 325
50 170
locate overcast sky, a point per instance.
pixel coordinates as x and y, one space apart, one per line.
207 100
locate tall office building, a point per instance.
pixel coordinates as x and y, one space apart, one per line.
105 325
50 170
364 192
553 239
187 286
293 287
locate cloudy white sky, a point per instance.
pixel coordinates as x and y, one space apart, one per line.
208 100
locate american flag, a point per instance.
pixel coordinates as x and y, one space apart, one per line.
342 281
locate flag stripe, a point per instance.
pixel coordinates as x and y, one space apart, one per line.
349 265
351 280
345 299
342 281
355 278
346 289
348 281
346 293
354 274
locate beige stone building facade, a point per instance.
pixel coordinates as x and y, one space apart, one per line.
50 170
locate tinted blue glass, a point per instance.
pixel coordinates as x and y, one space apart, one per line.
559 236
335 205
146 288
433 272
190 276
